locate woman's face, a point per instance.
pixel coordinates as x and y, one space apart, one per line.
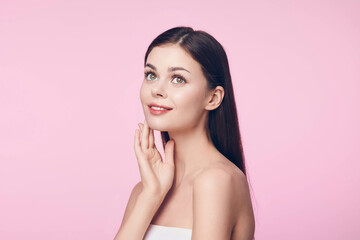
173 79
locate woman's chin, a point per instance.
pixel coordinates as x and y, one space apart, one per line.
157 126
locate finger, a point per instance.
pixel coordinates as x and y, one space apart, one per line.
145 137
137 147
141 126
143 165
169 152
151 139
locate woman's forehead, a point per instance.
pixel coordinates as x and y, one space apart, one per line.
167 56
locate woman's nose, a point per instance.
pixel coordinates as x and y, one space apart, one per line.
158 91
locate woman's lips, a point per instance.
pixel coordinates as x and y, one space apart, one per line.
159 106
158 112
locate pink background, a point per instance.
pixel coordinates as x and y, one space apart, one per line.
70 74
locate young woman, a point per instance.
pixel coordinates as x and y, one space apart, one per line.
200 190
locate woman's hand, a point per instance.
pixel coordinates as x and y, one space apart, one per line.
156 176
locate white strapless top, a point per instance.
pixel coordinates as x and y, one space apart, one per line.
157 232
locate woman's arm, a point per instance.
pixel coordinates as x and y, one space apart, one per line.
216 206
212 213
139 212
156 180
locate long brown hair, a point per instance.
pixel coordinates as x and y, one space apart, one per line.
223 127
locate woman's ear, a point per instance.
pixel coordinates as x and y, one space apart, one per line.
215 98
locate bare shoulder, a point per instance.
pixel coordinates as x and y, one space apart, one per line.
223 188
225 173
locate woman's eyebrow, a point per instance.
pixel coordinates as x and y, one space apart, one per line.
170 69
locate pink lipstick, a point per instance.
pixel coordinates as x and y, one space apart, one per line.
157 109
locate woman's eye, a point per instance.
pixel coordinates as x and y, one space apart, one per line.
152 76
178 79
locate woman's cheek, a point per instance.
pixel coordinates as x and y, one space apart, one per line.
143 93
188 103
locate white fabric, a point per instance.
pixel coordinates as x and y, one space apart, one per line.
157 232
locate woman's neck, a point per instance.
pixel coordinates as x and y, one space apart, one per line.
193 152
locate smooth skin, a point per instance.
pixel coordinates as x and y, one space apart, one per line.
195 187
157 176
148 194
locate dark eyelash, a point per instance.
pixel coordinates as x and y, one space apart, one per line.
178 75
147 73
